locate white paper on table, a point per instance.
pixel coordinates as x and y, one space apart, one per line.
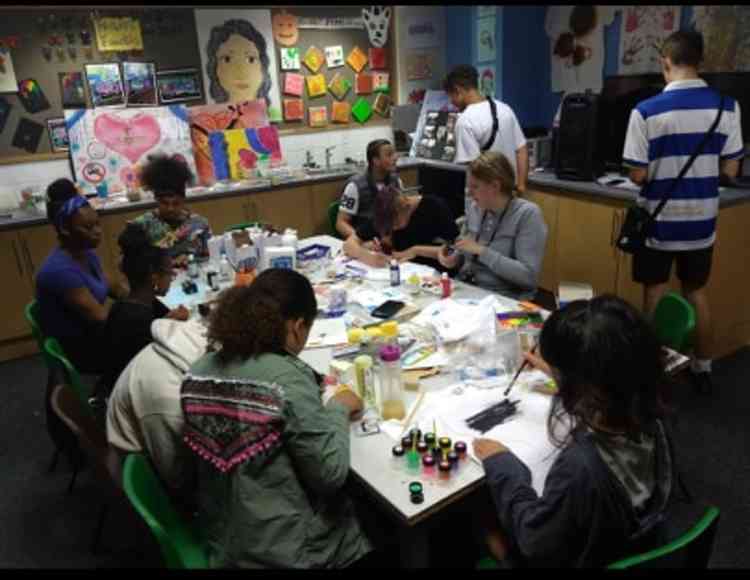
370 298
439 358
384 274
333 243
327 332
452 320
318 358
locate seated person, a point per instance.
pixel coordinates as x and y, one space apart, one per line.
71 287
171 225
148 269
144 413
608 490
357 204
272 460
502 243
405 227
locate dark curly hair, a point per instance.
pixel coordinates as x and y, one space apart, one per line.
58 192
219 35
250 320
608 365
166 176
140 258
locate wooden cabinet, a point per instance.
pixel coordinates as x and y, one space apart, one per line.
18 288
409 177
321 196
287 208
548 203
109 250
223 212
37 242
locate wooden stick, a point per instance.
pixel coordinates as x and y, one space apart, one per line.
411 415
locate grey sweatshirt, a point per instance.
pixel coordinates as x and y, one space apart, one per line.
513 260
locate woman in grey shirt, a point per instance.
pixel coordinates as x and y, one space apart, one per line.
502 242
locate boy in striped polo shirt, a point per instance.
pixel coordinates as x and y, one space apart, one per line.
663 132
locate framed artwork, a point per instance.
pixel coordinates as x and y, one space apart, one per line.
318 116
314 59
139 80
290 58
27 135
8 82
105 84
335 56
382 105
239 152
357 59
378 58
340 112
294 84
32 96
58 134
179 85
72 94
364 83
361 110
316 86
339 86
294 110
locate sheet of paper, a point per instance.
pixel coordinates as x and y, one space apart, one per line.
383 274
327 332
453 320
318 358
371 298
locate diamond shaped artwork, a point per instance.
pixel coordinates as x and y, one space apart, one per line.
340 112
381 82
363 84
357 59
334 56
316 86
361 111
294 110
382 105
290 58
318 116
378 58
314 59
294 84
339 86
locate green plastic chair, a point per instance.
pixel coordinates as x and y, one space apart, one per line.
179 543
56 354
693 549
674 321
31 312
333 212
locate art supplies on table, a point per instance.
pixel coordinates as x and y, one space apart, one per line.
493 416
327 332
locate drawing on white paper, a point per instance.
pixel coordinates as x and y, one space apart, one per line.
643 31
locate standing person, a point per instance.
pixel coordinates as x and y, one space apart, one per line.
272 459
663 132
475 132
357 204
171 225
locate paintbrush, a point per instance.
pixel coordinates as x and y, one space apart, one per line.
518 372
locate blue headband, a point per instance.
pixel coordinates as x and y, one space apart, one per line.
69 208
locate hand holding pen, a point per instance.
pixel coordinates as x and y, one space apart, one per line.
529 358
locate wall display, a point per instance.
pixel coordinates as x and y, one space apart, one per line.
363 84
356 59
58 135
105 84
361 110
433 100
485 39
438 139
377 20
209 118
239 153
378 58
178 86
330 23
317 116
419 66
340 112
27 135
382 105
139 81
5 109
644 29
285 28
335 56
118 34
294 84
238 57
32 97
8 81
290 58
316 86
294 110
381 82
422 32
314 58
726 32
108 145
339 86
72 95
487 80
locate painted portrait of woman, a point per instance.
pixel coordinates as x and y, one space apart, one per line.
238 63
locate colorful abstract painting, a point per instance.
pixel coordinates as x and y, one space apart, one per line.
294 110
317 116
294 84
139 81
644 29
335 56
357 59
340 112
363 83
314 59
382 105
339 86
239 153
378 58
209 118
290 58
32 97
58 135
109 146
71 90
105 84
316 86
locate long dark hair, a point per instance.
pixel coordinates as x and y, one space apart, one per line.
608 362
373 152
140 258
250 320
219 35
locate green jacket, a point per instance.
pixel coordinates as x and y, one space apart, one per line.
285 509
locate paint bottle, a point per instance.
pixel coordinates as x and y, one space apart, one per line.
192 266
397 458
460 449
444 472
365 379
445 284
429 470
395 273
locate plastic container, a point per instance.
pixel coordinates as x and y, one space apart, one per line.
395 273
225 269
460 449
444 472
390 332
365 379
454 460
290 239
391 383
398 462
413 462
445 285
429 471
355 335
192 266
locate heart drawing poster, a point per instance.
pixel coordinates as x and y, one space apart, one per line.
112 145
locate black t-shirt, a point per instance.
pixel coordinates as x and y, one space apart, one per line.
127 331
431 219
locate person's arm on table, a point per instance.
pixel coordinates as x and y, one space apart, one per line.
355 248
344 225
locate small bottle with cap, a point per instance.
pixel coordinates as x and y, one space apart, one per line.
398 463
444 472
192 266
390 332
445 285
395 274
429 471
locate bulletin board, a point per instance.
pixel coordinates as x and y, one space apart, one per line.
347 38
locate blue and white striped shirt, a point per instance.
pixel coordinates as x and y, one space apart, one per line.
662 134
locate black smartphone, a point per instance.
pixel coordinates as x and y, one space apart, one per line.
387 309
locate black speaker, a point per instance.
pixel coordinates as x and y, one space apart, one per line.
576 154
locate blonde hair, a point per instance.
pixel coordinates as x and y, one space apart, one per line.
493 166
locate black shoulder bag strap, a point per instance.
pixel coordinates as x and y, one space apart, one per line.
695 154
495 124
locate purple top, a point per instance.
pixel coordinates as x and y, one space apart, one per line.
390 353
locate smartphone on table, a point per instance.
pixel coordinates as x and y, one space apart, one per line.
388 309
